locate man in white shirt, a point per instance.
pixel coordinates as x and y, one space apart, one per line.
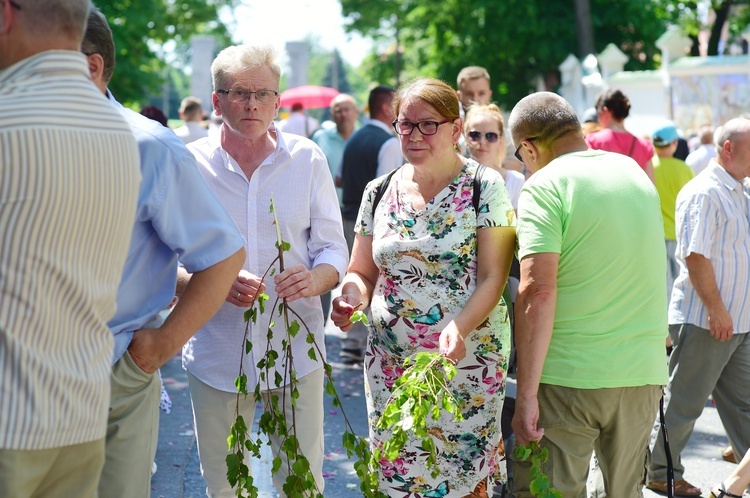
701 156
709 313
250 165
191 112
298 122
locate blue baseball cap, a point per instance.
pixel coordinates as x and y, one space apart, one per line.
665 135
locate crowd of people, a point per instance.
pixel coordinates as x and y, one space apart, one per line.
126 242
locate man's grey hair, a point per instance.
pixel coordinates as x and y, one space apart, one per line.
545 116
51 17
98 40
238 58
732 130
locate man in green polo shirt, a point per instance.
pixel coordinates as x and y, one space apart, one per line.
591 307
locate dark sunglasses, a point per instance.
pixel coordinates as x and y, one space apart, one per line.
475 136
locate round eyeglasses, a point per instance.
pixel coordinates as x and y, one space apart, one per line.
425 127
261 96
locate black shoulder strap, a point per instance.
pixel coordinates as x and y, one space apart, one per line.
380 190
477 187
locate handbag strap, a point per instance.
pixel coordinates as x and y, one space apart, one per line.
632 146
665 437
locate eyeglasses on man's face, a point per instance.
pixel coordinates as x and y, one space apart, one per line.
242 96
517 153
424 127
476 136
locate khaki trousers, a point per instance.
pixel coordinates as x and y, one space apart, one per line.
613 422
132 431
66 472
213 415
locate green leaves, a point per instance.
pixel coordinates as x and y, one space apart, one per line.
540 484
359 316
420 394
276 362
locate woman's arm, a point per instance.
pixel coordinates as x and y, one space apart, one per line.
495 246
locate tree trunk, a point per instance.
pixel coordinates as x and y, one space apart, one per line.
722 13
584 28
695 49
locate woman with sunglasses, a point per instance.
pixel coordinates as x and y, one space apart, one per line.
431 264
485 139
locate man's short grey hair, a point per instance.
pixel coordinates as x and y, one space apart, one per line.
98 40
732 130
543 115
51 17
238 58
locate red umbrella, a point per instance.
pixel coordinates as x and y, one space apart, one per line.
310 96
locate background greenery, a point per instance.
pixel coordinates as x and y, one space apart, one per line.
520 42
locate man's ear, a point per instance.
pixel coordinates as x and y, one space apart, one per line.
7 18
96 68
215 103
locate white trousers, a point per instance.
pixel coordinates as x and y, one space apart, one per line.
213 415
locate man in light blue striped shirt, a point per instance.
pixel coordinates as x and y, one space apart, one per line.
709 314
69 181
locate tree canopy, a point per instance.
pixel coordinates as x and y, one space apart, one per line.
148 33
517 41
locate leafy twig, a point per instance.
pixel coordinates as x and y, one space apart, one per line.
422 391
273 423
540 484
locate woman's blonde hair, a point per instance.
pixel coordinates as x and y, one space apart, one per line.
490 110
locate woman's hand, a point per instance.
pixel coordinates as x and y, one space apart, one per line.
245 289
343 308
452 343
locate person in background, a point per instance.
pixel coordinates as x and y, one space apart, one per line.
709 314
298 122
68 190
153 112
371 151
473 83
191 112
735 485
251 164
332 140
699 159
612 107
590 317
682 149
178 221
670 175
590 121
485 136
431 266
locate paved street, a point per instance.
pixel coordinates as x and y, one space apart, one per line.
178 474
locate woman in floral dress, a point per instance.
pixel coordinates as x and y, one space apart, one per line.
432 268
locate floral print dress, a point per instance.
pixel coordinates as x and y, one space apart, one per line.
427 261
